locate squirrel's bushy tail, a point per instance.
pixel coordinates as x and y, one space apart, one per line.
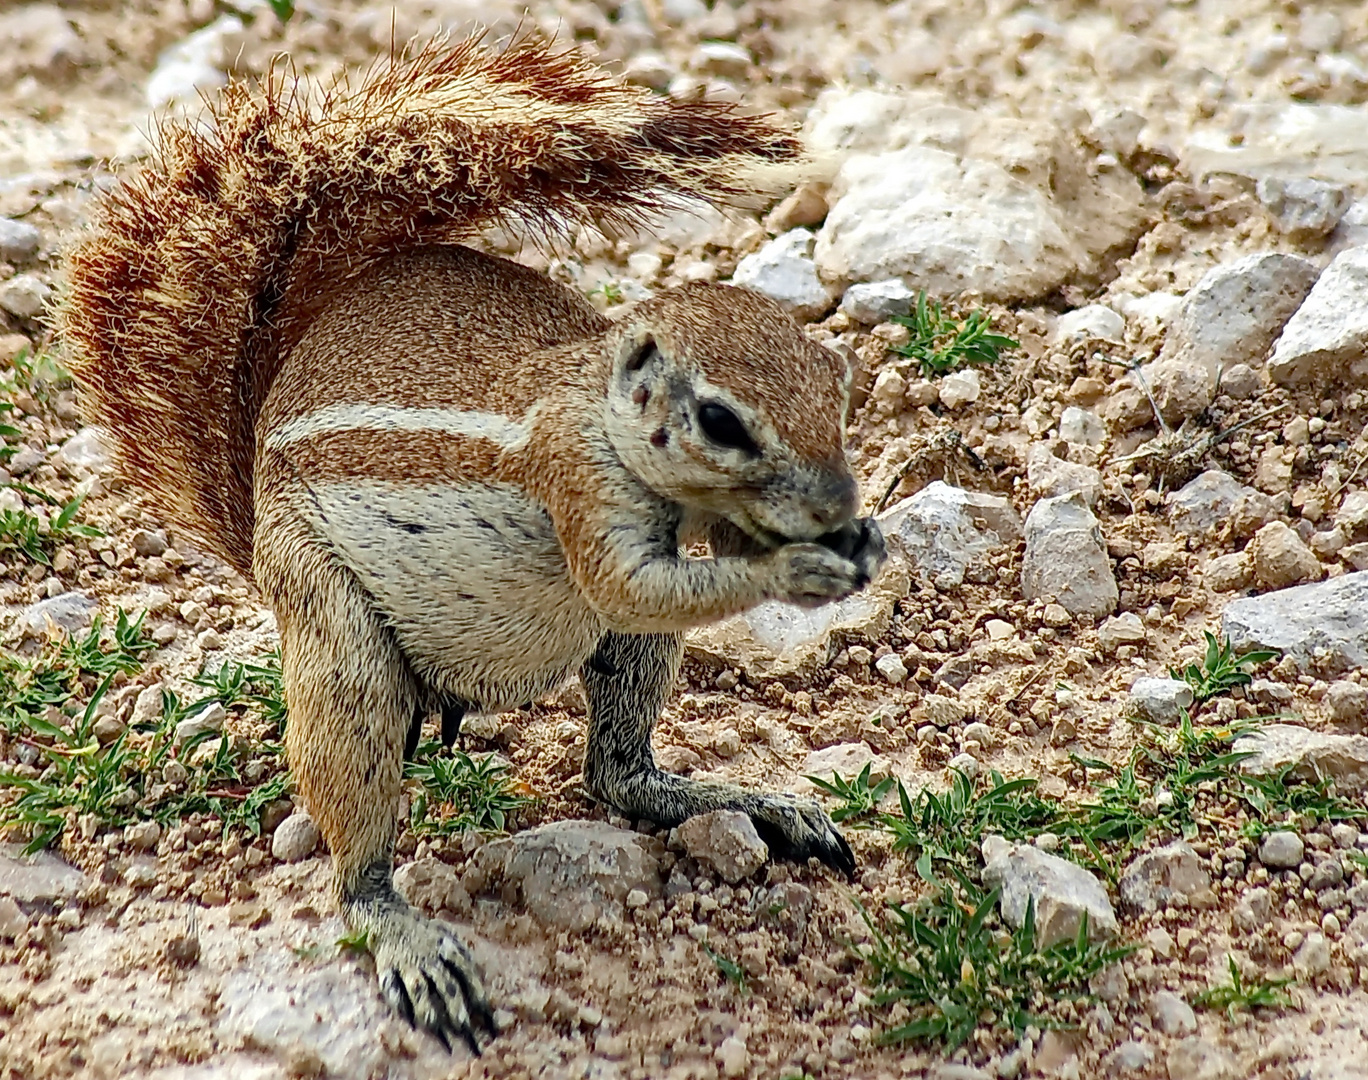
200 272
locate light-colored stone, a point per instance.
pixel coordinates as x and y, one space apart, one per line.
1347 704
38 39
37 879
432 885
194 65
1196 1058
1323 624
1230 317
1352 516
1096 321
891 667
778 640
25 296
938 530
1313 957
143 836
878 301
1064 892
1241 382
726 841
1303 206
68 611
1281 558
1315 755
1325 344
85 452
846 760
1066 559
1172 1015
1228 573
1282 850
18 240
1172 874
989 215
13 921
783 269
1129 1057
1205 503
209 719
1050 476
1118 630
1159 700
1082 427
733 1057
295 838
960 388
570 874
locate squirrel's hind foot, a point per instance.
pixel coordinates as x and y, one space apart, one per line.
799 829
426 973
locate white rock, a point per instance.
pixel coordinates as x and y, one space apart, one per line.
1304 206
846 760
1205 503
891 667
1063 891
1352 516
726 841
1281 557
1313 958
1130 1057
431 884
889 389
1118 630
147 708
1314 755
679 11
1153 311
69 611
960 388
38 38
1160 700
25 296
936 529
783 269
1231 316
1172 1014
950 200
13 921
1096 321
1082 427
878 301
1325 622
84 452
1241 382
1196 1058
1325 343
195 64
1049 476
570 874
1066 559
1172 874
1347 704
725 58
733 1057
37 879
18 240
295 838
143 836
211 718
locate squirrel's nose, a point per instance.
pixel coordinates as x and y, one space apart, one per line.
841 501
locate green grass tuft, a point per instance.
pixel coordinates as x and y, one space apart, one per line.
941 344
1220 670
475 793
859 797
1241 995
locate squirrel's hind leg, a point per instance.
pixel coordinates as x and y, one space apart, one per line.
626 683
352 702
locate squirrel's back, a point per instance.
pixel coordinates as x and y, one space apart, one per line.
201 272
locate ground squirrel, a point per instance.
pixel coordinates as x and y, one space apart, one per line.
455 482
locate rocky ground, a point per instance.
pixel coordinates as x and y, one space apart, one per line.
1166 206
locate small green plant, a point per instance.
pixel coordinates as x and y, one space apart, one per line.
24 532
1220 670
733 972
941 344
1244 995
952 966
257 686
356 942
122 781
7 432
950 827
611 292
859 797
282 9
478 790
34 373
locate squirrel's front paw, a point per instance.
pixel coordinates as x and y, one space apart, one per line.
862 542
831 568
428 976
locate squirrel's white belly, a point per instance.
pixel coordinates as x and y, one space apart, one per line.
471 578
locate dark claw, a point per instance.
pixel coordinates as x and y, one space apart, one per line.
480 1011
397 994
836 855
861 541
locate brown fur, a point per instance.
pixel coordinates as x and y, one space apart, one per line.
201 272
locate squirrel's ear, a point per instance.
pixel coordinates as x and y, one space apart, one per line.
636 350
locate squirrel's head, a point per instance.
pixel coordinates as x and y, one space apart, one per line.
718 401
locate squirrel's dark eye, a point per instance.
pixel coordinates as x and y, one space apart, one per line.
724 427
